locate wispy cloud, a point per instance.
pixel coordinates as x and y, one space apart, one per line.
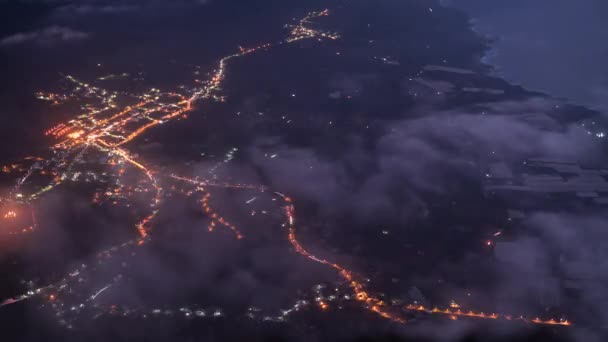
98 8
116 7
49 35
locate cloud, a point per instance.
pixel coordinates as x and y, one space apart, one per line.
112 7
98 8
569 247
438 153
320 179
47 36
470 135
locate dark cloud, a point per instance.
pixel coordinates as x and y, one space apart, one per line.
565 246
439 154
432 154
300 171
118 7
47 36
483 136
98 9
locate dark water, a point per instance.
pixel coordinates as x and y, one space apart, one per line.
556 47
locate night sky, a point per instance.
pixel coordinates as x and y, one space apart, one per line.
303 170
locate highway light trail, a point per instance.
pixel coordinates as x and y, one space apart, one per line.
455 313
107 129
371 302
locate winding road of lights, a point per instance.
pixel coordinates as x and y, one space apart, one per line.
109 128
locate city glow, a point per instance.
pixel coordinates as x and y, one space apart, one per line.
111 128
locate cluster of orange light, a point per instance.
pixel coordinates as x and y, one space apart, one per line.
149 125
58 130
33 158
302 31
76 134
123 112
142 226
108 134
244 51
13 168
81 132
378 306
323 305
11 214
212 214
53 98
372 303
459 313
207 207
114 125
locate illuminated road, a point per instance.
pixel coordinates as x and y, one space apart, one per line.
110 128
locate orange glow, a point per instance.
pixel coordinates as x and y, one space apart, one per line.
472 314
111 131
75 135
209 211
372 303
11 214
